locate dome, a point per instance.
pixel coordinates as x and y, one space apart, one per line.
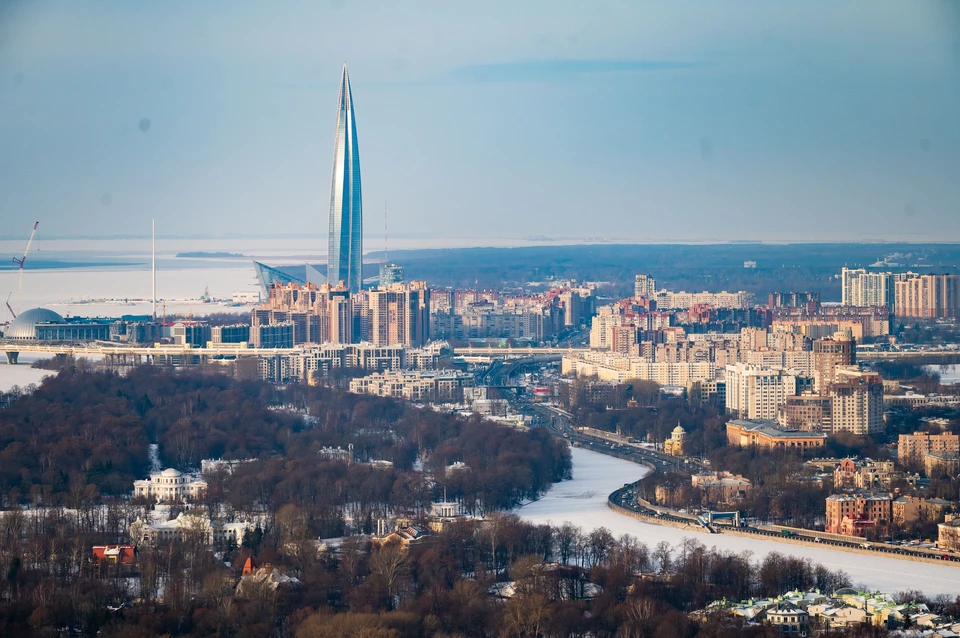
170 472
24 326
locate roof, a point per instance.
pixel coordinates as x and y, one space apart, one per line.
773 429
170 472
24 327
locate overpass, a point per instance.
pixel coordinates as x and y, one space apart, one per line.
519 351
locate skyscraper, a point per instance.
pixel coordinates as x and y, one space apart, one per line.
345 249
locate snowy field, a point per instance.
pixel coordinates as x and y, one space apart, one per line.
583 502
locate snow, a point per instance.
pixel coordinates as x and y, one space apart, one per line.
582 501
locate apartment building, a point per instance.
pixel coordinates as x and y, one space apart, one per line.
755 392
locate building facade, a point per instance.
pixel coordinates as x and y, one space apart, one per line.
755 392
769 435
928 297
169 485
913 447
345 243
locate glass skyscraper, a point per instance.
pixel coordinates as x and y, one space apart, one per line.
346 219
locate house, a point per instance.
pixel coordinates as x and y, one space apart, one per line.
113 554
788 619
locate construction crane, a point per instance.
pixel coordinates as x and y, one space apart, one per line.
9 307
20 263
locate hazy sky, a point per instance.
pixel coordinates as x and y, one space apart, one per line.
628 120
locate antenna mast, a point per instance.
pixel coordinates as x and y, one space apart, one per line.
386 260
153 264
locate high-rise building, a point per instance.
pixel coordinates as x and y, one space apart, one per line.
390 274
645 286
862 288
345 249
856 402
754 392
928 296
400 315
831 353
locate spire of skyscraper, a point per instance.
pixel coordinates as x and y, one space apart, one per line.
345 250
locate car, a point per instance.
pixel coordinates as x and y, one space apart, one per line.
817 540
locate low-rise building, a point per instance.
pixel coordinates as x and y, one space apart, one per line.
721 487
949 533
788 619
187 527
415 386
674 446
169 485
941 464
771 435
912 509
857 514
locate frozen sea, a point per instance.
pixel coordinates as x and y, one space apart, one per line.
21 374
583 502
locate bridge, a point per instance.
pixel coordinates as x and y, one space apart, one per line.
134 355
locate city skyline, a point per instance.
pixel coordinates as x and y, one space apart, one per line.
345 235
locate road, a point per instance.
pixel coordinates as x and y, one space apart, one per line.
559 423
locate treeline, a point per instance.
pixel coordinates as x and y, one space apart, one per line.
88 432
504 577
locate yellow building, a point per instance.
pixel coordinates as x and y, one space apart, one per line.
674 445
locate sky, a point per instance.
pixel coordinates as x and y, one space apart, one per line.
633 121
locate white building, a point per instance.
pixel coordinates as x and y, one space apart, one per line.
415 386
755 392
186 527
169 485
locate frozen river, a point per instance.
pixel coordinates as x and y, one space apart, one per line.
583 502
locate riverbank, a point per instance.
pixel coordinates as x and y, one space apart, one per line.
582 501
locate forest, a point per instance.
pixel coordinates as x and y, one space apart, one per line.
498 577
83 437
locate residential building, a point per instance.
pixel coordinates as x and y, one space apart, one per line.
912 509
236 333
113 554
857 515
928 297
913 447
941 464
949 533
788 619
400 315
672 300
345 246
856 402
806 412
754 392
415 386
810 300
831 353
721 487
169 485
769 435
645 286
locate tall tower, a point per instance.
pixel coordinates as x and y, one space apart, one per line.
345 249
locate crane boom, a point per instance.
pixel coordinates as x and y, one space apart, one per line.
10 308
20 263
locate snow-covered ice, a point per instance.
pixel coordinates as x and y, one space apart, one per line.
583 502
21 374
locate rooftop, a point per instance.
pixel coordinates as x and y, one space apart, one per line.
774 429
